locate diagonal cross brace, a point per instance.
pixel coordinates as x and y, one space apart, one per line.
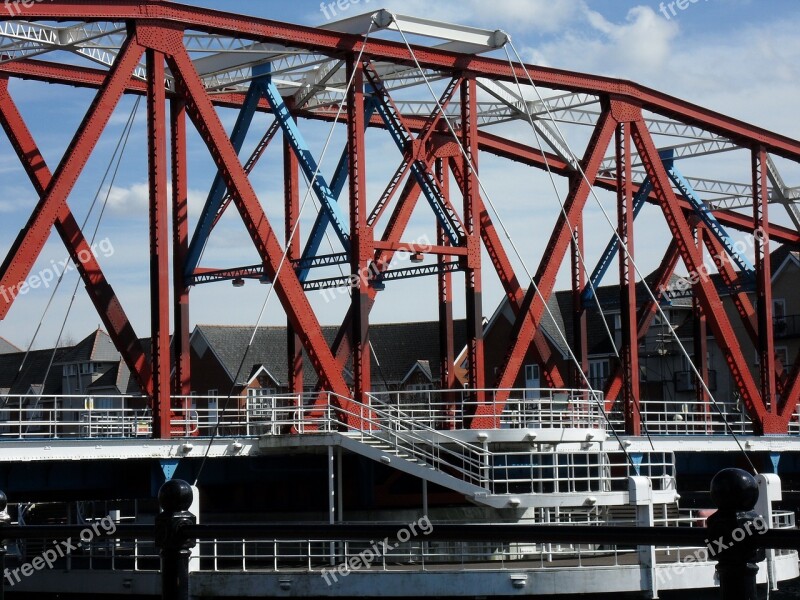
308 164
216 195
337 185
424 178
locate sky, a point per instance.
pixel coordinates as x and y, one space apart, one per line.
739 57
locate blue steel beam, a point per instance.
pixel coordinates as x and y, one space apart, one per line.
337 185
717 230
308 164
218 188
426 181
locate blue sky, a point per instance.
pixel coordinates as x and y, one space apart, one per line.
737 56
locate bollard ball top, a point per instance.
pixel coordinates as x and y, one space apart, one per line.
175 495
3 501
734 490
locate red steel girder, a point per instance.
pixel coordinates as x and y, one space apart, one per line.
159 244
528 155
332 43
182 384
498 146
361 250
287 286
473 275
291 194
629 348
766 328
26 249
534 305
712 304
100 291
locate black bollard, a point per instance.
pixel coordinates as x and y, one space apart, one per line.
175 498
732 530
5 521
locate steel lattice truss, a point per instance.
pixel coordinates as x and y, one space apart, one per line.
642 145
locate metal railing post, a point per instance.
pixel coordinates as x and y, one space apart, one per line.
5 521
174 498
731 529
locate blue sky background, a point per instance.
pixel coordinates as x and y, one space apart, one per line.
737 56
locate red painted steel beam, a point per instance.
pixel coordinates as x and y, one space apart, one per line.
93 78
580 334
28 245
712 305
100 291
182 385
444 280
473 274
629 348
535 301
362 250
766 327
700 334
528 155
159 243
333 43
287 286
291 196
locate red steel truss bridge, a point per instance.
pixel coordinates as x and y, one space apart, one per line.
443 105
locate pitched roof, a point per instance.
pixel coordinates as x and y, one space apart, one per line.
118 379
398 347
96 347
19 374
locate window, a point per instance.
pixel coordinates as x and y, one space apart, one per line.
778 308
89 368
599 370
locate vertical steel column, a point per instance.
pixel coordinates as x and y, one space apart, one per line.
700 331
446 330
472 227
629 351
180 240
766 331
159 243
361 242
291 182
579 325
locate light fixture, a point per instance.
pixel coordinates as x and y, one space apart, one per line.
417 257
187 447
591 500
513 502
238 282
483 436
386 460
531 436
